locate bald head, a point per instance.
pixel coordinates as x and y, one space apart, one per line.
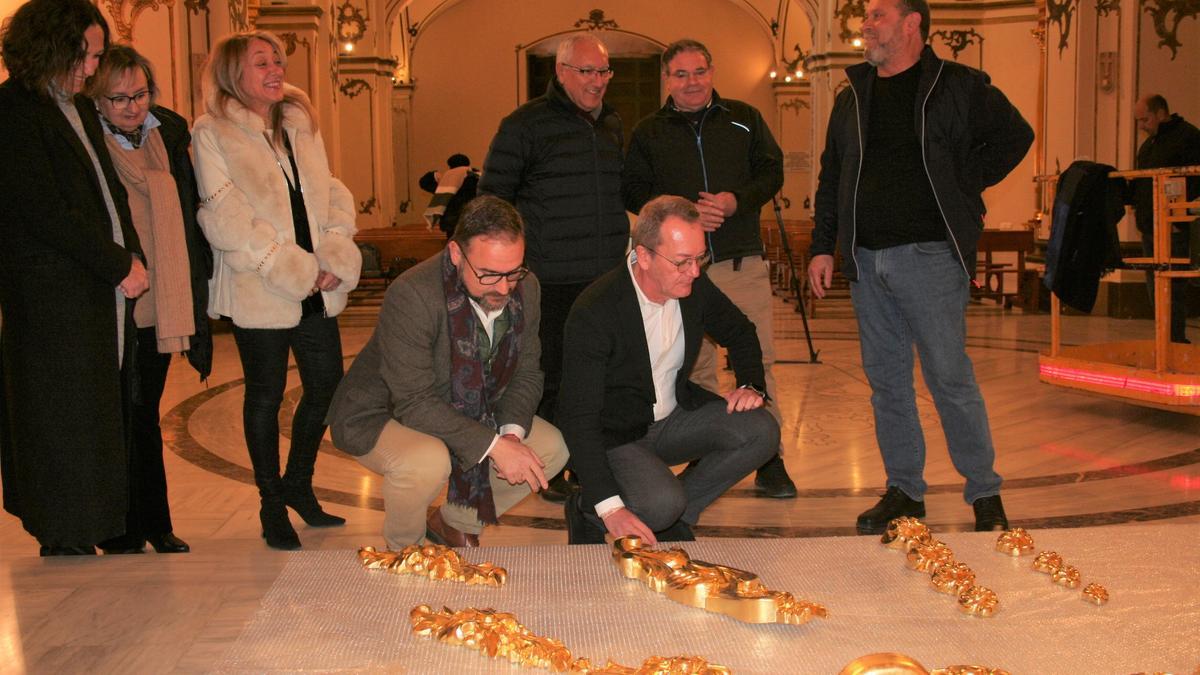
1151 111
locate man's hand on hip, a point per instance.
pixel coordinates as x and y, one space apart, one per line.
517 464
622 523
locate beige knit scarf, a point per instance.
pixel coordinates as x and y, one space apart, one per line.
163 239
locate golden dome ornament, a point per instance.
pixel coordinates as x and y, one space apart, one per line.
929 556
1095 594
1047 562
904 533
1015 542
1067 576
979 601
953 579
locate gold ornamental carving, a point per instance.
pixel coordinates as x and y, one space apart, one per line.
501 636
432 561
715 588
125 13
892 663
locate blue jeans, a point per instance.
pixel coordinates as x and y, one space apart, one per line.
917 294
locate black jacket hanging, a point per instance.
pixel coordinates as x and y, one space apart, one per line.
1083 236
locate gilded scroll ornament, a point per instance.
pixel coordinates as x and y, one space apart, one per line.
501 635
953 579
1095 594
715 588
930 556
433 561
905 533
978 601
1015 542
892 663
1047 562
1066 576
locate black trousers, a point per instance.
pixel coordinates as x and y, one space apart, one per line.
556 304
317 346
149 513
1179 287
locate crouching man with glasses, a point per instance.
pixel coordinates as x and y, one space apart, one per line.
447 387
627 408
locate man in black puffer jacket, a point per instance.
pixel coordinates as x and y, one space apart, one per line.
912 143
557 159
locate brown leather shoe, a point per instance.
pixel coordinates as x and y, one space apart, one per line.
439 532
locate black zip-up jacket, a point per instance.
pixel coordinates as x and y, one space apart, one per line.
971 138
733 151
563 173
1176 143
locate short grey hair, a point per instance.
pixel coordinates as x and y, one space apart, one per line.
648 229
566 48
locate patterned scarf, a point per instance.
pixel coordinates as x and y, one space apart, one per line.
474 387
134 137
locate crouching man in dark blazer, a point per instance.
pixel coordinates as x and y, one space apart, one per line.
627 408
448 385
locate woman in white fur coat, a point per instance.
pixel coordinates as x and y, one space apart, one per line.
281 228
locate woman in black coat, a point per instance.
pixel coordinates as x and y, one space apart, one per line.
149 148
69 269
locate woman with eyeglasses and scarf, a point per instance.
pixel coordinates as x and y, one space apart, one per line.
149 148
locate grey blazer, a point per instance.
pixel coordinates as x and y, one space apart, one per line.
403 373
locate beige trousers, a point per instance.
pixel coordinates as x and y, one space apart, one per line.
415 467
750 290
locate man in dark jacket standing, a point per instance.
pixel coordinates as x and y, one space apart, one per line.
900 194
719 154
1171 141
557 159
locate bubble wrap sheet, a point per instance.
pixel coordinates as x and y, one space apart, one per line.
326 613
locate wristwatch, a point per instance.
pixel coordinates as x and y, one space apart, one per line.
762 394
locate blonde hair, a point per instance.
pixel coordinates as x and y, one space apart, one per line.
223 79
118 60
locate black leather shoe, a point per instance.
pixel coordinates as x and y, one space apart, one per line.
560 487
47 551
123 544
989 514
580 530
277 529
773 480
680 531
168 543
893 504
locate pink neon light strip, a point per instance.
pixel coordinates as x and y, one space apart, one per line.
1191 391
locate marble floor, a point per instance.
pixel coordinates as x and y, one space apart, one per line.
1068 460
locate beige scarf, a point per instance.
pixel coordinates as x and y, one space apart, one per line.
163 239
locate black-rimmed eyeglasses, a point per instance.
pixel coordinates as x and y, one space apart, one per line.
493 278
604 73
701 261
121 102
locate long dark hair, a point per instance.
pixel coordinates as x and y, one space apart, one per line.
44 40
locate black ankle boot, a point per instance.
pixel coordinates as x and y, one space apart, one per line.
277 529
302 500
